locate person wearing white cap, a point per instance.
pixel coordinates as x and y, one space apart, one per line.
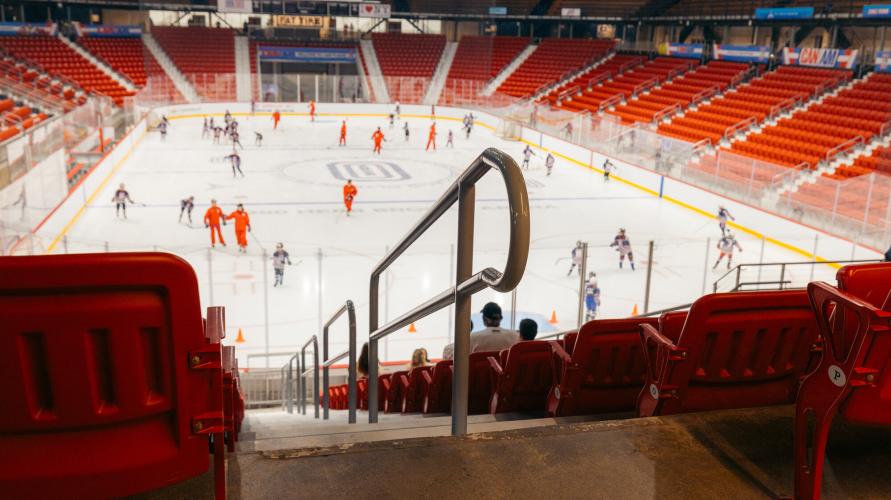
492 338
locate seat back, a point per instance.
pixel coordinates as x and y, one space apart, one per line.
872 284
569 341
480 385
606 370
743 349
105 373
413 398
527 376
438 393
393 402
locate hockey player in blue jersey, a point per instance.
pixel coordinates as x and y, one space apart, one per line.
592 297
576 258
623 246
723 215
726 245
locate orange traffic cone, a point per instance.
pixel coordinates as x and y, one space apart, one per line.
240 338
553 319
412 329
634 310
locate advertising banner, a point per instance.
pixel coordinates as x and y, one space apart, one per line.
374 10
742 53
236 6
101 30
782 14
821 58
12 29
876 11
690 50
883 61
285 21
307 54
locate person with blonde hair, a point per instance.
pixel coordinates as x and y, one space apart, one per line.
419 358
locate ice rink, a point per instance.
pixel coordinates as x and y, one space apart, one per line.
292 190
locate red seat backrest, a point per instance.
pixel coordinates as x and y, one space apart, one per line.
743 349
480 385
413 398
438 393
102 375
526 379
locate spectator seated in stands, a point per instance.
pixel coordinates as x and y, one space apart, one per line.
362 362
493 338
528 329
419 358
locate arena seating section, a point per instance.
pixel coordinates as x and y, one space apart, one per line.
689 88
130 58
478 59
205 56
413 56
53 56
553 60
14 119
752 103
55 89
122 382
612 67
812 135
630 83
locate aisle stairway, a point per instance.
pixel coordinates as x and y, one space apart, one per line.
179 81
375 75
442 71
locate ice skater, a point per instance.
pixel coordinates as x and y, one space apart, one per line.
258 139
398 115
217 132
242 226
392 120
377 137
236 163
468 128
236 139
343 130
450 140
120 199
549 163
726 245
279 259
405 127
205 132
723 215
212 219
623 246
163 128
567 131
608 168
592 297
185 208
312 110
431 137
527 155
276 117
349 194
227 117
576 256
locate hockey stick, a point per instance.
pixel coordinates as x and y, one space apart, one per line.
257 241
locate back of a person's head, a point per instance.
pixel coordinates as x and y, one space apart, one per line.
491 314
419 358
362 362
528 329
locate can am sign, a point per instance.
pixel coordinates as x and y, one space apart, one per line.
374 10
822 58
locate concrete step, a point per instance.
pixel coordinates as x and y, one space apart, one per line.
442 72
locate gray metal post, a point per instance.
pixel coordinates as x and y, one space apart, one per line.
463 271
210 276
583 271
814 265
708 246
266 306
782 275
302 381
451 311
319 254
649 276
372 380
761 259
352 375
326 398
315 379
299 382
290 403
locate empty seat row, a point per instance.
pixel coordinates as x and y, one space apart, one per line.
205 56
553 60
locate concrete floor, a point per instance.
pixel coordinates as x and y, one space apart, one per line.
737 454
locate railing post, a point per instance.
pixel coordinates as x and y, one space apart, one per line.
649 276
782 275
315 378
353 392
298 380
302 380
463 271
738 275
583 268
326 398
290 403
372 379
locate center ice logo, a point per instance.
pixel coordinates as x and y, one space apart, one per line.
368 171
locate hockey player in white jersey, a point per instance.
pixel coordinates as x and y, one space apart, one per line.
723 215
623 246
121 198
527 155
549 163
726 245
592 297
576 258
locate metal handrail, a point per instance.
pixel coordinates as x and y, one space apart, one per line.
463 192
783 265
314 341
287 389
350 310
556 335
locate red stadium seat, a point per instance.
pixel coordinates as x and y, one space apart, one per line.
110 383
735 350
437 391
522 376
393 401
413 389
854 376
601 371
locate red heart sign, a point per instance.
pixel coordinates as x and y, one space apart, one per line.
369 8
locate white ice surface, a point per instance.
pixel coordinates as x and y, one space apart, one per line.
293 196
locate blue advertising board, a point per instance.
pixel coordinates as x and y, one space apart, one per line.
883 61
689 50
784 13
742 53
307 54
497 11
877 11
13 29
101 30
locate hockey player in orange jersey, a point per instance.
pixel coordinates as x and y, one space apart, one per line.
212 219
242 226
276 116
377 137
349 193
342 141
431 138
312 111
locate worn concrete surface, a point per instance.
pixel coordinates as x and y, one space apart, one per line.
736 454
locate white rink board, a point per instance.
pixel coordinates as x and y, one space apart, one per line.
292 189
